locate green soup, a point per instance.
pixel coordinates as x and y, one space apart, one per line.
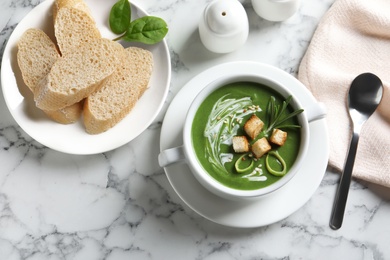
220 117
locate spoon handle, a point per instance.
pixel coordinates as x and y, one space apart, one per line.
343 188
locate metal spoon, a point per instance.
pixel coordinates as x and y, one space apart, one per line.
364 97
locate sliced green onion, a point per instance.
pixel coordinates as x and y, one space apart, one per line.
238 162
280 159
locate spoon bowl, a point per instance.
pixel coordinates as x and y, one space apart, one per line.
364 97
365 94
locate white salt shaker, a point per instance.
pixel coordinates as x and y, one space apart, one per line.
276 10
223 26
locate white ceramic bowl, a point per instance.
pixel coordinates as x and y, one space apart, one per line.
276 10
187 154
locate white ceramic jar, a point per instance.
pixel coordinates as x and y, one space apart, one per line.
276 10
223 26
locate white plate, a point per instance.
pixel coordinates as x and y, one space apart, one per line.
73 138
255 213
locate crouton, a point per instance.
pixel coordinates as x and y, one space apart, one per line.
253 126
278 137
240 144
260 147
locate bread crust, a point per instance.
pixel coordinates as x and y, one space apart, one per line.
240 144
261 147
278 137
253 126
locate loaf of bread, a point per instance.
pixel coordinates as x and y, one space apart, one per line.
36 55
114 100
78 74
73 27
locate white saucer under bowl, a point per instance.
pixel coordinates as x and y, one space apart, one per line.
253 213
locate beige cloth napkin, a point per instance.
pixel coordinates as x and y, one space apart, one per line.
352 38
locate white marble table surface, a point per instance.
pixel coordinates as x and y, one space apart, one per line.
120 205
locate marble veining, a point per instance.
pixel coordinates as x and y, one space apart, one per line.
120 205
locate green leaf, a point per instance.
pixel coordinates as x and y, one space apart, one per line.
147 29
120 16
280 112
288 126
271 110
296 112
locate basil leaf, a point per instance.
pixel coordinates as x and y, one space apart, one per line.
120 16
147 29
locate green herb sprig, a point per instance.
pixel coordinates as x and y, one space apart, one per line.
276 119
147 29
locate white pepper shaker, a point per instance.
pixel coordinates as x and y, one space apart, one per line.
276 10
223 26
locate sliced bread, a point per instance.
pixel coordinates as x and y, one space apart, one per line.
114 100
66 115
75 76
78 4
73 27
36 55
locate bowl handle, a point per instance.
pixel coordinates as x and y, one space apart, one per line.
171 156
315 112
